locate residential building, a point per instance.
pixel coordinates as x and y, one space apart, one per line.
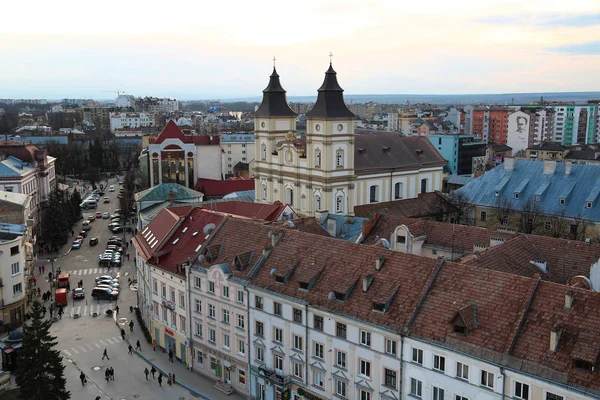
575 124
178 158
155 105
393 121
459 151
546 151
520 131
422 128
562 195
99 116
126 120
331 168
490 123
236 147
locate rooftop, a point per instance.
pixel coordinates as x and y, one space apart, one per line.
172 131
424 205
162 192
215 188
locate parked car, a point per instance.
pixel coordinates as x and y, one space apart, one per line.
80 238
106 200
76 244
78 293
99 215
105 215
111 188
117 229
115 242
108 282
105 286
104 278
91 218
117 211
119 196
104 293
83 233
93 241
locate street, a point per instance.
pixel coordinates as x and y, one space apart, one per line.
85 330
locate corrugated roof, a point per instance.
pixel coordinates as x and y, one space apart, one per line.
161 193
212 187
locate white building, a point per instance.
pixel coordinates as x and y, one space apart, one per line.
237 147
124 100
518 135
393 121
126 120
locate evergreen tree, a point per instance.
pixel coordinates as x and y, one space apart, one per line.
40 374
55 220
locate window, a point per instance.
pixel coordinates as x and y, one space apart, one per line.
297 315
317 202
155 286
260 353
516 196
15 268
390 378
165 314
458 397
163 288
258 302
365 338
317 158
573 229
298 342
242 376
339 158
172 294
340 330
198 329
199 357
340 388
174 319
318 378
211 311
552 396
483 216
462 371
212 335
241 346
364 395
277 308
505 220
318 350
264 192
240 296
340 359
417 356
487 379
365 368
14 250
398 189
278 334
240 321
182 323
438 393
373 195
17 289
339 204
226 291
318 323
391 347
548 225
197 282
226 341
211 287
213 364
226 316
198 306
181 300
521 390
298 370
259 328
278 361
423 185
416 387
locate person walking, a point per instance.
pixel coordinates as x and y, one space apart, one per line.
39 292
60 312
173 378
122 333
117 309
171 355
112 373
146 373
107 374
131 326
169 380
83 378
160 379
153 344
40 270
153 371
130 349
127 256
138 346
105 354
50 276
43 269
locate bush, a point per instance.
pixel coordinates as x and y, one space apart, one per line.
141 323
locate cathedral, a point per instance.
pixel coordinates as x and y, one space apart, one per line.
331 168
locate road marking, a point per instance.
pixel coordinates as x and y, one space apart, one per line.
116 339
109 341
83 349
103 344
97 345
85 271
95 270
67 353
74 350
90 346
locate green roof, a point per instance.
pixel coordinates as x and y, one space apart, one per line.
161 193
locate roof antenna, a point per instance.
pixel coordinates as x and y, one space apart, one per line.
330 58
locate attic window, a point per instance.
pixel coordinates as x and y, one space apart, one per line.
175 241
195 233
184 230
585 365
304 285
386 149
562 201
588 204
459 329
279 279
379 307
465 319
362 151
497 193
538 198
517 196
340 296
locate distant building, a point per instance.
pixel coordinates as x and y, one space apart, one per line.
459 151
155 105
546 151
127 120
237 147
490 123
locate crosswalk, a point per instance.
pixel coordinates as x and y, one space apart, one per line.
87 310
91 271
98 346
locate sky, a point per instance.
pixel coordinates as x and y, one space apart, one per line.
225 49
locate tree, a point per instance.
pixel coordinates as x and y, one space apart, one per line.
531 217
40 374
56 220
502 211
463 209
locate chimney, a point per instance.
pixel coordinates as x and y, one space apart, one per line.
332 227
171 197
568 166
379 262
367 280
549 167
555 334
509 163
275 236
569 298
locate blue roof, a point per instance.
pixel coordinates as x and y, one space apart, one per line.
580 187
345 230
14 167
459 179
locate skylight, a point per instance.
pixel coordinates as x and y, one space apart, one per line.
176 240
195 233
184 230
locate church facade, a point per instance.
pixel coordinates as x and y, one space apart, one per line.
330 167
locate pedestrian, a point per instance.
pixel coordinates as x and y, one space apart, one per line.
130 349
122 333
39 291
60 312
35 281
138 346
107 374
153 371
127 256
169 380
105 354
153 345
44 310
43 269
44 297
131 326
40 269
72 232
173 378
146 373
117 309
112 373
171 355
83 379
50 276
160 379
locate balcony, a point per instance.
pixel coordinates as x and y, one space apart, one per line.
274 377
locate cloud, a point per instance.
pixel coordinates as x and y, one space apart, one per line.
544 21
586 48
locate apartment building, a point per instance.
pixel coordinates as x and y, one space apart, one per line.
155 105
236 148
124 120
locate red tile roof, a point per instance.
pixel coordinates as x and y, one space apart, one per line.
264 212
214 188
172 131
149 239
425 205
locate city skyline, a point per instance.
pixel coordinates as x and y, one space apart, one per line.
202 51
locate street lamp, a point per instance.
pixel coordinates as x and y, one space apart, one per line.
52 260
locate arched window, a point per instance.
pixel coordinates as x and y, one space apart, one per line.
424 185
289 196
317 158
339 158
263 151
398 190
374 194
264 191
339 203
317 202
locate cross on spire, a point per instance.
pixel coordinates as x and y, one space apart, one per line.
330 57
274 61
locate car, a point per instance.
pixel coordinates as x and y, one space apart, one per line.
121 182
95 197
116 215
108 282
93 241
80 238
106 200
114 242
83 233
119 196
114 247
104 293
111 188
117 229
105 215
99 214
78 293
104 278
91 218
117 211
107 286
76 244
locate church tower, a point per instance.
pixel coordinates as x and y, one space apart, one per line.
330 149
274 121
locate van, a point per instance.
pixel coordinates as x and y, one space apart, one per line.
63 281
61 297
91 203
86 226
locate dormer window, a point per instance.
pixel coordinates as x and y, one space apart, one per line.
303 285
340 296
562 201
279 279
538 198
516 196
588 204
465 319
497 193
584 365
380 307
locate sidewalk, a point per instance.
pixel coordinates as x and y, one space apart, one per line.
196 383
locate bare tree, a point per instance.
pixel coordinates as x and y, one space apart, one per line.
559 226
463 210
531 217
502 210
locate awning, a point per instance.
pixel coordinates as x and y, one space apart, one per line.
8 351
18 346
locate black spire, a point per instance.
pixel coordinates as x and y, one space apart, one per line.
330 101
274 103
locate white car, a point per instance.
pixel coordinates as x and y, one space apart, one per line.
111 188
76 244
105 215
104 278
